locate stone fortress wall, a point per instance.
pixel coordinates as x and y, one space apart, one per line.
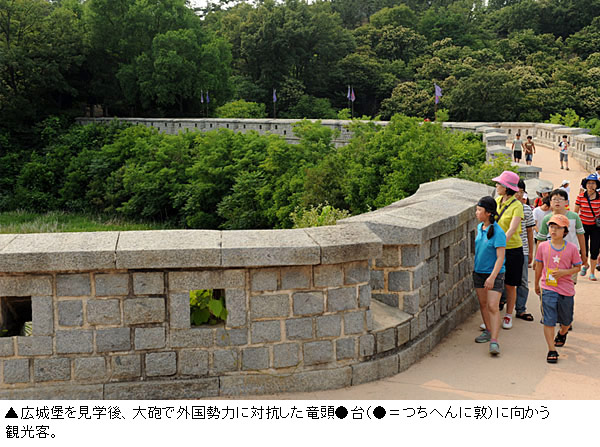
584 147
309 309
281 127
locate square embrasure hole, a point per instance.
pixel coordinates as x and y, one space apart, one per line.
15 316
207 307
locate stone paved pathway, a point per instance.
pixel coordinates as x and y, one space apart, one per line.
458 368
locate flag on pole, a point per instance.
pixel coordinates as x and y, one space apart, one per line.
352 97
202 96
207 98
348 94
438 93
274 95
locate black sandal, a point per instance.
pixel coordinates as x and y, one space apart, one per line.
552 357
560 340
524 316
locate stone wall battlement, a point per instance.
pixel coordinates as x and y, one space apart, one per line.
308 309
584 147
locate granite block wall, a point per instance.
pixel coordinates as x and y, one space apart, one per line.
308 309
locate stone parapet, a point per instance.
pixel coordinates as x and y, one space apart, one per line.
494 134
528 171
592 159
308 309
495 151
281 127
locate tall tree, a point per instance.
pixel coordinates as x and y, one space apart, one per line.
41 50
180 67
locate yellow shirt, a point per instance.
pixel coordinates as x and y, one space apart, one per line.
514 208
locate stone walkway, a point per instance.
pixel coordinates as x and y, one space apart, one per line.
458 368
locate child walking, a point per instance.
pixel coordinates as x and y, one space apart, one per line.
488 273
564 151
517 148
556 262
529 147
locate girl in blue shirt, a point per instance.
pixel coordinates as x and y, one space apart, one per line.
488 274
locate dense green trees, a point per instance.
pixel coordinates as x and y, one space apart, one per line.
140 58
510 60
223 179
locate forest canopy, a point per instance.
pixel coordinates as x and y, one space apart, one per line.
495 60
504 60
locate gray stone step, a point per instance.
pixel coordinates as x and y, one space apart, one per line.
391 327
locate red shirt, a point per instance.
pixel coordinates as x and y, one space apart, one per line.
585 213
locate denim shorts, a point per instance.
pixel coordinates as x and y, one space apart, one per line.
528 157
564 157
479 281
556 308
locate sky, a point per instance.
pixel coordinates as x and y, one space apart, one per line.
198 3
202 3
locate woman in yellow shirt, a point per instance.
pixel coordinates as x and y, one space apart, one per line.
510 211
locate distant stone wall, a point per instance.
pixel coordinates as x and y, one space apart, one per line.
584 147
309 309
281 127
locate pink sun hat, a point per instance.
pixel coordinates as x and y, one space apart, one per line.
508 179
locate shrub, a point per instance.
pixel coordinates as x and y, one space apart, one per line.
206 306
241 109
317 216
485 172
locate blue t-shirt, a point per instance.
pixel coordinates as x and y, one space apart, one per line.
485 249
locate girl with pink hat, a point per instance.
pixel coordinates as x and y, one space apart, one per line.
510 215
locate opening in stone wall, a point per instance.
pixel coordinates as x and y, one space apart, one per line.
15 316
207 306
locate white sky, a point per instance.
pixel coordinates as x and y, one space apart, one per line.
202 3
199 3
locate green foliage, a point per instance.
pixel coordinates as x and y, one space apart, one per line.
227 180
442 115
592 124
317 216
344 114
311 107
181 66
485 172
408 98
569 119
206 307
21 221
510 60
241 109
241 209
383 165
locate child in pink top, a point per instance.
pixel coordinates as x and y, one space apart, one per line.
556 261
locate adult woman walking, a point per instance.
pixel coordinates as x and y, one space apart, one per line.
488 272
510 215
587 205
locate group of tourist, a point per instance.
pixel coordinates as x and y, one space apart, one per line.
519 146
528 147
555 240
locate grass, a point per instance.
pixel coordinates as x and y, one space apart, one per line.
16 222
